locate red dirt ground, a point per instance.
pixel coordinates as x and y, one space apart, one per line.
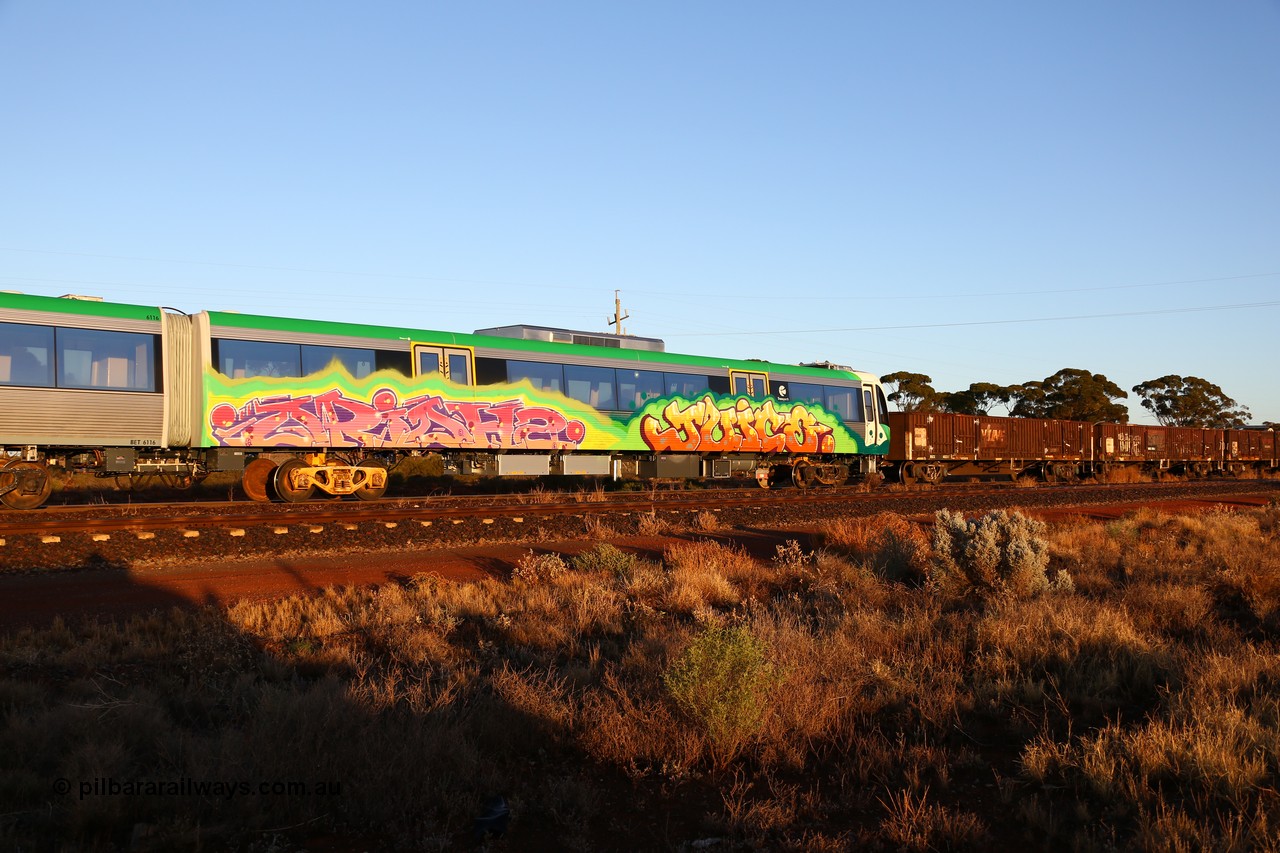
36 598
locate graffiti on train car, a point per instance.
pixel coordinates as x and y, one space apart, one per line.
739 425
333 419
334 410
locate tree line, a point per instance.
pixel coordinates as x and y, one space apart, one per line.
1077 395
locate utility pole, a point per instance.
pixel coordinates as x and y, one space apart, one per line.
618 316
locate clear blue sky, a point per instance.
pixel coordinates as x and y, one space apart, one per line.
867 183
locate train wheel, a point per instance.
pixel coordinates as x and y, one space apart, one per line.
907 474
803 474
284 480
371 492
256 479
32 485
763 475
1101 471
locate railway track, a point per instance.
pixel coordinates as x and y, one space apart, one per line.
99 524
89 518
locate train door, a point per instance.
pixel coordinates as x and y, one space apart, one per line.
747 384
869 413
965 441
454 363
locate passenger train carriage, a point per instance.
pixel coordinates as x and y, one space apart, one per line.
305 407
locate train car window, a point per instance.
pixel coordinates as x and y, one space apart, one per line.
393 360
546 377
637 387
91 358
882 404
686 385
428 361
805 392
490 371
867 407
590 385
26 355
459 367
358 362
845 402
718 384
243 359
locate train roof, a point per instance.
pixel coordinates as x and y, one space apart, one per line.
266 323
518 345
83 305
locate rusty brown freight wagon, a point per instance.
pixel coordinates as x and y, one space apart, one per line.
1190 451
1243 449
930 446
1157 449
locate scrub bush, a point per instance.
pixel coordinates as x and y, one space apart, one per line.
722 683
1001 554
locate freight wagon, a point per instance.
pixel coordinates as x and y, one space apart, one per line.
931 446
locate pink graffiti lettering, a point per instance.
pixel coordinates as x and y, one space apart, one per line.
332 419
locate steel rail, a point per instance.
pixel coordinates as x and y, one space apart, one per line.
314 513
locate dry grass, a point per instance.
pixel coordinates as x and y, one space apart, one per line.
887 542
1123 474
1139 710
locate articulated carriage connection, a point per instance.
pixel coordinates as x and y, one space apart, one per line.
302 408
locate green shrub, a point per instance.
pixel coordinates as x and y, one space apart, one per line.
605 559
539 568
1000 554
722 682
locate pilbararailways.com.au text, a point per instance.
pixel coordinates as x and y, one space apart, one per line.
106 786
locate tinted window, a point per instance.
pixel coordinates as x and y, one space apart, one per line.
805 392
490 371
591 385
358 362
637 387
459 368
392 360
685 385
845 402
428 362
548 377
26 355
242 359
89 358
